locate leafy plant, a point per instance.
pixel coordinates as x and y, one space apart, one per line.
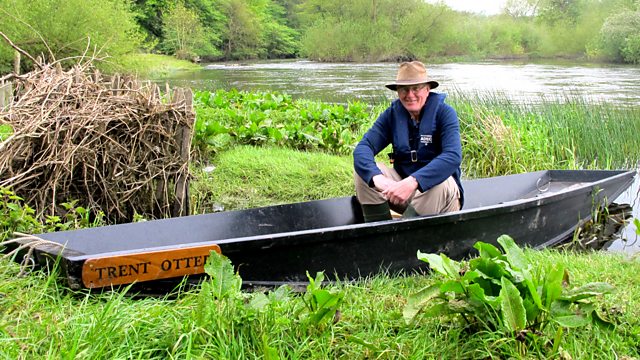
75 217
225 283
322 304
226 118
502 291
15 215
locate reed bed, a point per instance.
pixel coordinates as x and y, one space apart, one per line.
502 137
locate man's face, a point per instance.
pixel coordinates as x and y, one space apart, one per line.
413 97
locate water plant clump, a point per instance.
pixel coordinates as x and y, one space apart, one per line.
501 291
226 118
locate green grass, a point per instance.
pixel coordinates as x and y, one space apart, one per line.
42 319
149 65
246 177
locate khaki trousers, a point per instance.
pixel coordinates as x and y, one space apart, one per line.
442 198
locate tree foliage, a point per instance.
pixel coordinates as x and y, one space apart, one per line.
185 36
104 27
327 30
621 37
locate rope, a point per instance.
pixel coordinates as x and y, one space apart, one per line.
26 241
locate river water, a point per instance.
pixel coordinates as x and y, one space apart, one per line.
518 82
338 82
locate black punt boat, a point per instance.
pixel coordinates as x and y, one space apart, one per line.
281 243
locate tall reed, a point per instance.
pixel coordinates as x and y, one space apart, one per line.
501 137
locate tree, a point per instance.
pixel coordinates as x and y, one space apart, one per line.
184 34
278 38
521 8
560 11
149 13
620 36
241 36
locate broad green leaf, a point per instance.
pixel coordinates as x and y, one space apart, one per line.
636 222
441 263
327 305
452 286
315 283
488 269
226 283
322 304
280 294
514 254
258 301
490 286
586 308
531 286
417 301
452 267
532 310
487 250
515 274
602 321
564 315
436 308
324 298
477 293
587 291
470 276
552 285
513 312
215 128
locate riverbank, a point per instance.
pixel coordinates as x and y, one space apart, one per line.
149 66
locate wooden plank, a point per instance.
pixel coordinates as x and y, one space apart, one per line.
184 135
145 266
6 94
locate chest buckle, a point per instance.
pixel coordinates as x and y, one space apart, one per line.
414 156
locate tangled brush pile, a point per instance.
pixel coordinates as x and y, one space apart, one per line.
114 145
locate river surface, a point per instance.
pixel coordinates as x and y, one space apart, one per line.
518 82
338 82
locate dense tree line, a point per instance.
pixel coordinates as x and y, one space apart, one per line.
326 30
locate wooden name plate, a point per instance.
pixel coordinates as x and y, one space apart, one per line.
145 266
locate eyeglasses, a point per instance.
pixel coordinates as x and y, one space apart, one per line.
404 90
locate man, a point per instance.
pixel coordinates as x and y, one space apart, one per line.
427 152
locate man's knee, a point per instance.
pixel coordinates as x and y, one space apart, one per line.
442 198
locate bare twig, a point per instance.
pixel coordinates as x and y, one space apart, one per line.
20 50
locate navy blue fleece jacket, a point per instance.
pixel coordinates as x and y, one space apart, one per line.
436 143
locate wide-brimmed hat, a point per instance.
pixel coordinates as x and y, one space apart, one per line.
412 73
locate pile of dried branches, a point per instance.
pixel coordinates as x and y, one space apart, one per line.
114 145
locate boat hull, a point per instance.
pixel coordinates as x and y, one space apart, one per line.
282 243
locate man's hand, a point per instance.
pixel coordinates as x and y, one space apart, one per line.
399 192
382 182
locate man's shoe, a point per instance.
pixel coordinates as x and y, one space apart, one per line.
377 212
410 212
